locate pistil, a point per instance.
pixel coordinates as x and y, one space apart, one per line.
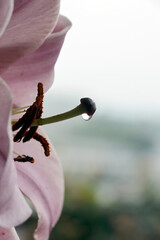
87 106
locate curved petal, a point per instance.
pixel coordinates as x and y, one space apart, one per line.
42 182
23 76
8 234
30 25
6 9
13 207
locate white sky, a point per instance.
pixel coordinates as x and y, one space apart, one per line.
112 54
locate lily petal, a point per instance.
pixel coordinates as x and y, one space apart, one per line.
13 207
23 76
42 182
8 234
30 24
6 9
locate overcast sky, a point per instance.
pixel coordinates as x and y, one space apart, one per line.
112 54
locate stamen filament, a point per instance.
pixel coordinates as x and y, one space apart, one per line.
16 110
17 154
14 113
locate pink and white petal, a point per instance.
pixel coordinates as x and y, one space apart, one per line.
13 207
23 76
30 25
19 3
42 182
6 9
8 234
15 211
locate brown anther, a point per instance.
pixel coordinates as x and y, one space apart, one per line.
27 132
25 122
19 123
44 143
24 158
29 117
40 89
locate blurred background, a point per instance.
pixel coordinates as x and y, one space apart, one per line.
112 162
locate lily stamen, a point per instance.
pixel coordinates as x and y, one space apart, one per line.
19 110
32 113
43 142
23 158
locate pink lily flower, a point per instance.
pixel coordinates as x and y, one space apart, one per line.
31 36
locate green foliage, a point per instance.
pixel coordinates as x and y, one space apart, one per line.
82 221
119 222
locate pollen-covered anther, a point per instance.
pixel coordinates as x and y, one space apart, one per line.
44 143
24 158
32 113
26 121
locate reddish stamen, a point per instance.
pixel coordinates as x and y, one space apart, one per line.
25 122
24 158
44 143
32 113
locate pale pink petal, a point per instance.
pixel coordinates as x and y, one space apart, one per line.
19 3
42 182
23 76
30 24
6 9
13 207
8 234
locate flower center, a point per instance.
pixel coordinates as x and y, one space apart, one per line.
28 124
